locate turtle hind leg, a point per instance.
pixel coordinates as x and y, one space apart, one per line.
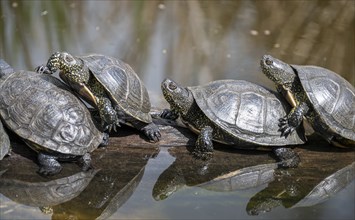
48 164
288 158
204 146
150 130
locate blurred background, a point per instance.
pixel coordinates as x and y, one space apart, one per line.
192 42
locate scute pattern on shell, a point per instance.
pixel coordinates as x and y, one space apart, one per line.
36 109
122 84
332 97
4 142
244 110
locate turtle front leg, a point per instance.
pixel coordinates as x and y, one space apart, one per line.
108 114
291 121
170 114
204 146
48 164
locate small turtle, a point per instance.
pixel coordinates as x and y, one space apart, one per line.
108 84
4 142
51 120
322 96
232 112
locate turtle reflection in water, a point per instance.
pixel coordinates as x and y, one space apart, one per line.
4 142
289 190
48 117
322 96
223 172
107 192
45 194
108 84
232 112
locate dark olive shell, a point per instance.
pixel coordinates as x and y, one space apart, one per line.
245 111
4 142
41 110
332 97
122 84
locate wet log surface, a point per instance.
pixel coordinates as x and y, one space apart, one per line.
131 142
119 168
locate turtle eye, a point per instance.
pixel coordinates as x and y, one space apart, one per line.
268 61
69 59
172 86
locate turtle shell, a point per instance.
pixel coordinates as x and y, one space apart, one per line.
122 84
41 110
332 97
4 142
245 110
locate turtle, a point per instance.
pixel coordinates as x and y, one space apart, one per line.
323 97
108 84
4 142
50 119
232 112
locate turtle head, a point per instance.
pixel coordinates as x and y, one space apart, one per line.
71 69
282 74
63 61
179 98
5 69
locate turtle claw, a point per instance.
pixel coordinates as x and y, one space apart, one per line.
43 69
169 114
285 127
152 132
111 127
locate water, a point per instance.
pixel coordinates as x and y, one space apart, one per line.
192 42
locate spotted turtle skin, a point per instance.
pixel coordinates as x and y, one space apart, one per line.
48 117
